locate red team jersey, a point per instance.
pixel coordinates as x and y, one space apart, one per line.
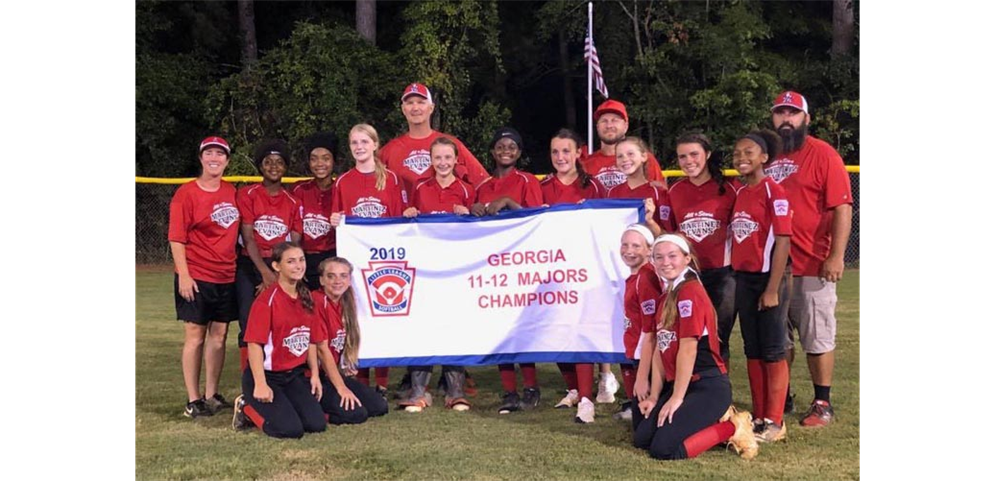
356 194
410 158
522 187
603 168
316 206
703 216
554 192
272 217
207 224
330 324
761 212
642 290
663 216
695 319
283 327
815 181
430 197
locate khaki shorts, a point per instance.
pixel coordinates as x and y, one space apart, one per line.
813 313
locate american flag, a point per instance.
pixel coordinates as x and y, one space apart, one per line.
591 55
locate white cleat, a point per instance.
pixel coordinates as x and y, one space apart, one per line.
585 411
568 401
607 387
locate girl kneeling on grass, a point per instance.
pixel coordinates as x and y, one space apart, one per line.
280 400
345 399
689 368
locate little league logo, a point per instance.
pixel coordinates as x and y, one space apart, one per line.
685 308
389 286
780 207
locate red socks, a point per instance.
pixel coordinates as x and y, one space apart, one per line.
758 390
508 380
569 373
585 381
381 375
629 379
254 415
703 440
776 384
529 374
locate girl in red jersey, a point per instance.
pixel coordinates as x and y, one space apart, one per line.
570 184
203 229
761 227
443 193
509 188
702 209
270 215
344 399
642 290
631 154
282 333
683 415
315 196
368 190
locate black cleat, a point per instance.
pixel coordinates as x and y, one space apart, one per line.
530 398
510 402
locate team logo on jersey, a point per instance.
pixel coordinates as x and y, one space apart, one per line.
298 340
664 212
781 169
684 307
699 226
389 287
610 177
316 226
418 161
339 342
780 207
648 307
369 207
664 338
742 227
270 227
224 214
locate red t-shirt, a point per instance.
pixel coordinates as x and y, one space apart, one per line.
816 181
604 168
663 216
695 319
207 224
431 198
642 290
555 192
356 194
761 212
272 217
411 159
330 324
283 327
703 216
522 187
316 206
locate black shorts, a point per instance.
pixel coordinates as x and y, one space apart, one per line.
214 302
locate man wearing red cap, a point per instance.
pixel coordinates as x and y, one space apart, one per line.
818 189
408 155
612 122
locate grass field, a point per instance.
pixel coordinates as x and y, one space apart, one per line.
478 444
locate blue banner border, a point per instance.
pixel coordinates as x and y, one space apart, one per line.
500 358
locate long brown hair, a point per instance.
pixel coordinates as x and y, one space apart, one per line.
564 133
303 293
350 353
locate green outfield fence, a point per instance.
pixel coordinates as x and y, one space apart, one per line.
152 196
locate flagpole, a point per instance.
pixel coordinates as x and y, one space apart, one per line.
590 80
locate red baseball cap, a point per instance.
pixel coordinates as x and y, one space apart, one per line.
417 89
216 141
791 99
611 106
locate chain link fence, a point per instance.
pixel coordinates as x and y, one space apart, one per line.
152 223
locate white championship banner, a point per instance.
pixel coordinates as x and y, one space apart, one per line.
533 285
